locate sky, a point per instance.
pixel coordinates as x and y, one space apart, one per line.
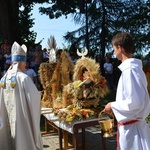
44 27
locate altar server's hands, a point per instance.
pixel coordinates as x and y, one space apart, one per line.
108 109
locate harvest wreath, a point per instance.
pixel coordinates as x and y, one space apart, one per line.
53 76
88 85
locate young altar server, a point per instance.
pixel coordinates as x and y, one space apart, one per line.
132 103
19 106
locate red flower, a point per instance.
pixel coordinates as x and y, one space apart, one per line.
102 82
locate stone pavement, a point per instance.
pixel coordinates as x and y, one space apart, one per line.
92 139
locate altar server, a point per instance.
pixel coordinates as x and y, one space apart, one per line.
132 103
19 106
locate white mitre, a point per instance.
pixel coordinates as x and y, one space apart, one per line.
18 54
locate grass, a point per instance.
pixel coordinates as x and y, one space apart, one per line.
148 119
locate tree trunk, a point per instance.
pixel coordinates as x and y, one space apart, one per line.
8 20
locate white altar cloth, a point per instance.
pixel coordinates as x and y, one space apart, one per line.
67 126
59 122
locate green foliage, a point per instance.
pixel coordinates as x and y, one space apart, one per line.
105 18
58 8
18 22
28 37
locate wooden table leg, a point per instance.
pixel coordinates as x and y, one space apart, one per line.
82 125
47 127
65 135
60 139
49 124
83 138
103 141
75 139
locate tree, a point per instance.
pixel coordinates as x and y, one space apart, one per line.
8 19
105 18
25 23
15 24
57 8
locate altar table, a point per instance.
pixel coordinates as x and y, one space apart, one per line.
73 128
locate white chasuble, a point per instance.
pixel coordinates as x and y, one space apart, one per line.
20 111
